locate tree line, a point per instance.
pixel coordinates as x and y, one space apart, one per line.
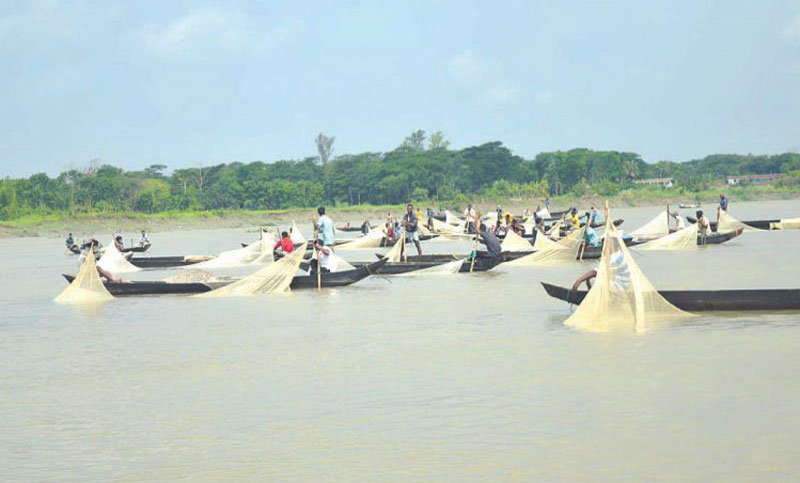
414 171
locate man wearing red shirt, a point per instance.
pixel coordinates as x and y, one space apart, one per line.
285 244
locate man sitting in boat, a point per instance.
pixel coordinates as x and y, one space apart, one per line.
590 236
410 225
703 225
572 221
388 232
70 243
491 242
327 262
121 246
680 224
284 244
517 227
144 239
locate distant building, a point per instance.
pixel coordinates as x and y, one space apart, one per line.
663 182
754 179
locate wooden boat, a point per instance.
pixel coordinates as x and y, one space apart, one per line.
590 253
167 262
706 300
760 224
532 236
349 228
483 262
687 206
137 249
74 249
335 279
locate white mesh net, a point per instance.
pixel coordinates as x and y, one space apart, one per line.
448 230
655 228
259 251
190 276
515 243
786 224
552 253
372 239
726 223
622 297
543 242
296 235
452 219
87 286
397 252
339 263
113 261
685 239
274 278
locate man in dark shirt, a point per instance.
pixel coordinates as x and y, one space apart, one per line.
491 242
410 222
723 202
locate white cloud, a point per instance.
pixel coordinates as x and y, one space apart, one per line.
212 31
791 33
479 76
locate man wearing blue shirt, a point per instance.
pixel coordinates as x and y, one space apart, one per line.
325 227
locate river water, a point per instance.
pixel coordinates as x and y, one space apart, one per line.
469 376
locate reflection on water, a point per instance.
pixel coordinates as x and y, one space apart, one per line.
469 376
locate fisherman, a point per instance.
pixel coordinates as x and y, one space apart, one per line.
547 203
620 274
102 272
388 232
284 244
539 225
499 213
324 226
121 246
144 239
491 242
469 216
410 222
517 227
594 216
572 220
70 242
366 227
327 261
723 202
590 236
680 224
703 225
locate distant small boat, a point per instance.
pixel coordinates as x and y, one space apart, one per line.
137 249
686 206
590 252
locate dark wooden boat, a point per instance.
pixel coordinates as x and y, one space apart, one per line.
349 228
760 224
483 262
138 249
74 249
335 279
166 262
706 300
590 253
616 222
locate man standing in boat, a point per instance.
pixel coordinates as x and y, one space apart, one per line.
410 225
324 226
723 202
469 216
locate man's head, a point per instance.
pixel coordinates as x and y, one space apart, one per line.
469 206
574 211
721 196
284 234
321 210
318 243
410 208
699 213
70 234
538 220
142 232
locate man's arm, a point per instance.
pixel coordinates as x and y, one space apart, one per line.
584 278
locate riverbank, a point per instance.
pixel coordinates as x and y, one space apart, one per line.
101 224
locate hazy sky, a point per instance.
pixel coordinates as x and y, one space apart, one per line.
195 83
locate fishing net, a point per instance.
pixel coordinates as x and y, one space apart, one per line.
452 219
685 239
113 261
726 223
275 277
787 224
397 252
655 228
296 235
515 243
622 297
543 242
87 286
544 213
257 252
190 276
372 239
340 263
441 269
553 253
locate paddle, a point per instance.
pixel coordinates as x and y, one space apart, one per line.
319 267
475 244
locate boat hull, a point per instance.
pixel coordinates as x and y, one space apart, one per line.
707 300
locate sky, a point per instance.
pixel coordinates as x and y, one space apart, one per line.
135 83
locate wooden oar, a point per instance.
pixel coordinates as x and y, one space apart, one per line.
475 245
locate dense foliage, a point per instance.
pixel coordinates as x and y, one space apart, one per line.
410 172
